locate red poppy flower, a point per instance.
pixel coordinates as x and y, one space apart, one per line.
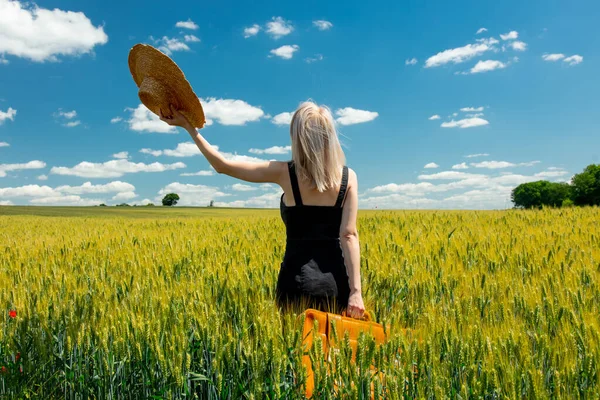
18 356
12 313
3 369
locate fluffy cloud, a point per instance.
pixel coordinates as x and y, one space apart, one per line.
89 188
191 39
169 45
465 123
43 177
4 144
317 57
113 168
116 120
487 65
240 187
460 166
144 120
191 195
121 155
230 111
251 31
189 24
65 200
471 109
458 55
449 175
411 61
477 155
6 203
284 118
36 164
322 25
40 34
510 35
8 114
518 45
481 30
184 149
552 173
199 173
351 116
286 52
278 27
434 117
272 150
431 165
267 200
238 157
124 196
553 57
502 164
573 60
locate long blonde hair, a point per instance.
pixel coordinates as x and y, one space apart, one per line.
316 150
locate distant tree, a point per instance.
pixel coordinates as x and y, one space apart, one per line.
170 200
540 193
586 186
123 205
102 205
150 205
212 203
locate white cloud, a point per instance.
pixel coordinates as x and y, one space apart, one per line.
553 57
144 202
116 120
113 168
351 116
510 35
199 173
4 144
322 25
551 173
240 187
434 117
184 149
471 109
189 24
518 45
477 155
267 200
72 124
460 166
411 61
40 34
251 31
457 55
317 57
476 115
286 52
465 123
169 45
65 200
239 157
43 177
124 196
144 120
27 191
230 111
6 203
487 65
502 164
89 188
481 30
574 60
450 175
8 114
67 114
35 164
431 165
191 195
284 118
191 39
272 150
279 27
266 186
121 155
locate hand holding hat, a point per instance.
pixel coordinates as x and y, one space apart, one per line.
163 88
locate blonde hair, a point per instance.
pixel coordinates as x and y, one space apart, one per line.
316 150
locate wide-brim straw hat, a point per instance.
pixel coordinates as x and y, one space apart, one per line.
161 83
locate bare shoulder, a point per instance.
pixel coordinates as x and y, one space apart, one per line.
352 177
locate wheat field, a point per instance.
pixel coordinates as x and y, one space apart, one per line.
180 304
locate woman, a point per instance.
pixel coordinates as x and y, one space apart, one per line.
319 208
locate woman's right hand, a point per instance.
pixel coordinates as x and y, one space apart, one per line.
356 307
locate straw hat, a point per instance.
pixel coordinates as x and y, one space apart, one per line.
161 83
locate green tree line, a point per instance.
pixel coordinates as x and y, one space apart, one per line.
583 190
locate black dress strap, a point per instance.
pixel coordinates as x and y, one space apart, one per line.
343 187
294 182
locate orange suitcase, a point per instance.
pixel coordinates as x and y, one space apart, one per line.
344 324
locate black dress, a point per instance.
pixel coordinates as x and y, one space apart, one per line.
313 272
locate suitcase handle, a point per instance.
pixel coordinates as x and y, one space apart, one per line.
366 316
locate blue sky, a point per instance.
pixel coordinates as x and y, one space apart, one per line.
415 89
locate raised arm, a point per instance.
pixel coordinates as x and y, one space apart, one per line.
266 171
351 247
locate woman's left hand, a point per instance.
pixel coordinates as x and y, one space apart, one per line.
356 307
175 118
